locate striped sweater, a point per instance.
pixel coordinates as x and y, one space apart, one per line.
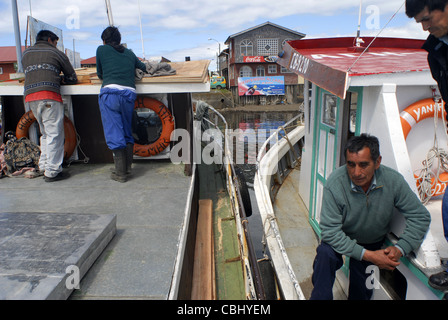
43 64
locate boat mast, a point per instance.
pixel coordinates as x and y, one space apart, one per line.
109 13
15 16
141 29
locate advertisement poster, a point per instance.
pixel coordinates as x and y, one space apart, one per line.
261 86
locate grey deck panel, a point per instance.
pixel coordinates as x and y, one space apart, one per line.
139 261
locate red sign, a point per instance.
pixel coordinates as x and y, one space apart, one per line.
259 59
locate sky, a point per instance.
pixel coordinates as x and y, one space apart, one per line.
176 29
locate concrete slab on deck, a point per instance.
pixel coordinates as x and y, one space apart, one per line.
44 255
150 209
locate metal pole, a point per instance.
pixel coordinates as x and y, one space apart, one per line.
217 56
358 33
141 29
15 16
109 13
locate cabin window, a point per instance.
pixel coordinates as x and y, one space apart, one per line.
329 109
247 48
353 109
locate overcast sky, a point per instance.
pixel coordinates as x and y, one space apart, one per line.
176 29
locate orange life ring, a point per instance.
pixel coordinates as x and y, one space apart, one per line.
69 130
418 111
438 187
412 115
166 117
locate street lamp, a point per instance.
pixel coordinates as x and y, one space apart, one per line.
217 56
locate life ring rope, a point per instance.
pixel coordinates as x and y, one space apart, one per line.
167 120
428 184
70 142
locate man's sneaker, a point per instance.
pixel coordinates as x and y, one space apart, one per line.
60 176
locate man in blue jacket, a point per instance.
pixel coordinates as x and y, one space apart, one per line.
433 15
358 204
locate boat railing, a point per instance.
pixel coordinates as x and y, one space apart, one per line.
286 276
254 284
282 130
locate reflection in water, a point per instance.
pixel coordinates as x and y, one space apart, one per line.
255 128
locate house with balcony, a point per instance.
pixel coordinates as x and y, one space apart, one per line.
249 65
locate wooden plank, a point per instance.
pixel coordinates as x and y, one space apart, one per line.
203 286
186 72
85 74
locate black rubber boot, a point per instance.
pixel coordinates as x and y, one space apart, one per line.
120 166
129 157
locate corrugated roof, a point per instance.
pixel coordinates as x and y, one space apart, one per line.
89 61
8 54
302 35
330 62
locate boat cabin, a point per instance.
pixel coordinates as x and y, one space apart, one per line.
374 88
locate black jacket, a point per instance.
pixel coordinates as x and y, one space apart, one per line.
438 62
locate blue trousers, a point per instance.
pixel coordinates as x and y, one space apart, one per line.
445 214
117 107
325 265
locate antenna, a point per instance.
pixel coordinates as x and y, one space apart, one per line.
367 48
141 29
358 39
109 13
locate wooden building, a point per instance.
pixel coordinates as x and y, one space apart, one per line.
253 53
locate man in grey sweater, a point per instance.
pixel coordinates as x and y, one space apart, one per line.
358 204
42 64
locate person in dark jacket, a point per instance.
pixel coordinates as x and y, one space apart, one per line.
42 64
116 66
433 15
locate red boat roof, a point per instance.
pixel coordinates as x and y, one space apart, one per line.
337 57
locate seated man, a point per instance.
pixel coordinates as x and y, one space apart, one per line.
358 204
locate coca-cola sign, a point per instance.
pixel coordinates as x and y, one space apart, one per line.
259 59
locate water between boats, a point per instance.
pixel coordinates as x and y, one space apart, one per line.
249 122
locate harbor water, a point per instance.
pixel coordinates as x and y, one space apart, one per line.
251 122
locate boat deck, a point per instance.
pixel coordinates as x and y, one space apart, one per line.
299 238
139 262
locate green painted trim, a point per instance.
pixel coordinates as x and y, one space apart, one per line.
313 158
418 273
360 91
318 128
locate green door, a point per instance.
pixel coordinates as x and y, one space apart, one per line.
324 149
336 120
